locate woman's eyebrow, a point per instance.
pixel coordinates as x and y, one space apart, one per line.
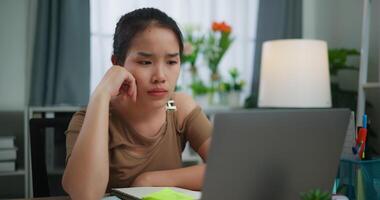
148 54
144 54
172 54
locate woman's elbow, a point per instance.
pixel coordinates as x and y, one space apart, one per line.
78 188
67 184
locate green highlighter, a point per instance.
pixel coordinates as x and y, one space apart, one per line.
167 194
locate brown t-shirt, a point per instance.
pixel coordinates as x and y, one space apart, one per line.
163 152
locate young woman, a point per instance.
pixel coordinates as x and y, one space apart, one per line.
127 136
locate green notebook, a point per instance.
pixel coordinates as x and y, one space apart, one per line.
155 193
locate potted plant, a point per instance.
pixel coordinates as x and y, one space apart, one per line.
315 195
199 92
224 90
338 61
215 46
193 41
232 88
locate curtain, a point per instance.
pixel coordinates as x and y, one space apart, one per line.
278 19
60 73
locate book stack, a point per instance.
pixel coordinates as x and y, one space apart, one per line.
8 154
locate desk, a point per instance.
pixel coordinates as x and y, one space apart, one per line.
106 196
47 198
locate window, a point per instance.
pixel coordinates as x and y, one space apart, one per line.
241 14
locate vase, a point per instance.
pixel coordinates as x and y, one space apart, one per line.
234 99
223 98
214 88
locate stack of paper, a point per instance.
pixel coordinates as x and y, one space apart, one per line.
8 154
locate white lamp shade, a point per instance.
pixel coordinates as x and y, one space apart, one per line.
294 73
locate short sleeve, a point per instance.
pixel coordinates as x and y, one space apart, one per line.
73 130
196 127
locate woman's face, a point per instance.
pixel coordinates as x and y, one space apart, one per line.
154 60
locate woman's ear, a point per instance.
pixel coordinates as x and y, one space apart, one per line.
113 60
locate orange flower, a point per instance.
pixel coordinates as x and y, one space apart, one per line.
222 27
225 27
215 26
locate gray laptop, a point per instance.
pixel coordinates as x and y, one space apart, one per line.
274 154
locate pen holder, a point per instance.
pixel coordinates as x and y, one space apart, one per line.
359 179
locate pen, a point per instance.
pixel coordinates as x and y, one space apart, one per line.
363 137
364 121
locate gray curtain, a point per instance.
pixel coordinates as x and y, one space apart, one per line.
277 19
60 73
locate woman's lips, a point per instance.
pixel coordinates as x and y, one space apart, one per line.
157 92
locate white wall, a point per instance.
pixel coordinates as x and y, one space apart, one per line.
14 36
13 49
339 23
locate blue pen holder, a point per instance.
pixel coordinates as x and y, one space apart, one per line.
359 179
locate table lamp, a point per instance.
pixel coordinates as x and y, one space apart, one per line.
294 74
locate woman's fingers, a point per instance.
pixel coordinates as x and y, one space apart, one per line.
118 81
134 97
132 89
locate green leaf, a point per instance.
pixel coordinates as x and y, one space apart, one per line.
199 88
338 59
316 194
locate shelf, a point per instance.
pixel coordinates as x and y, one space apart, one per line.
371 85
13 173
55 109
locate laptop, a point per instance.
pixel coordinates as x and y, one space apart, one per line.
274 154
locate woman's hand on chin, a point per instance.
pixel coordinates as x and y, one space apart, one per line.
117 81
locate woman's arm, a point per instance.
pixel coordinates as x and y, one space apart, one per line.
86 173
87 170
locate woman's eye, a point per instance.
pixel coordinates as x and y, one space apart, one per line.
172 62
144 62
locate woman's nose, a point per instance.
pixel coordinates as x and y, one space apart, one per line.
159 74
